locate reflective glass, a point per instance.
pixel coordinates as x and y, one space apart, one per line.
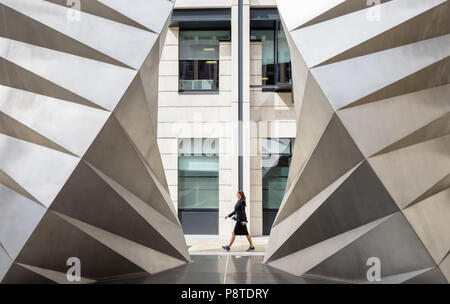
198 146
267 38
199 59
276 58
276 159
284 58
198 174
276 146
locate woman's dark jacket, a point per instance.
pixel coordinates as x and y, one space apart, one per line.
239 212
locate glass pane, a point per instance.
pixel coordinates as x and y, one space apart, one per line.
195 182
184 146
284 55
199 59
198 176
281 171
284 58
273 198
284 71
210 146
267 38
268 44
198 146
199 75
198 166
266 145
201 45
276 146
198 199
276 158
284 145
275 183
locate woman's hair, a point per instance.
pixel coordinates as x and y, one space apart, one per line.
242 195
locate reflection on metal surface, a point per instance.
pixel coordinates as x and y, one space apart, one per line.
226 269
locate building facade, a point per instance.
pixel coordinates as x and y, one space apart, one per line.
199 116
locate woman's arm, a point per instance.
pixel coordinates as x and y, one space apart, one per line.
231 214
244 215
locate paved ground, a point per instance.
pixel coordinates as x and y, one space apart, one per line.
223 269
213 265
207 244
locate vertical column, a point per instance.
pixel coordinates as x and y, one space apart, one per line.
246 122
240 36
234 123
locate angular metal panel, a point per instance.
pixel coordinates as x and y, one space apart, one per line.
80 171
387 86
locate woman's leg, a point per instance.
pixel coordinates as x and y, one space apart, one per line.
233 237
249 239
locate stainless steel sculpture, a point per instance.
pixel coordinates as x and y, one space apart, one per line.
80 170
370 175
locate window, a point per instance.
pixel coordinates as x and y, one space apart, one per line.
267 38
283 58
276 59
198 185
199 59
276 159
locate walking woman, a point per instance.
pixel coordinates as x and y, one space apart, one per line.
241 222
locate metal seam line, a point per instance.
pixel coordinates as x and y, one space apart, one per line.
226 269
